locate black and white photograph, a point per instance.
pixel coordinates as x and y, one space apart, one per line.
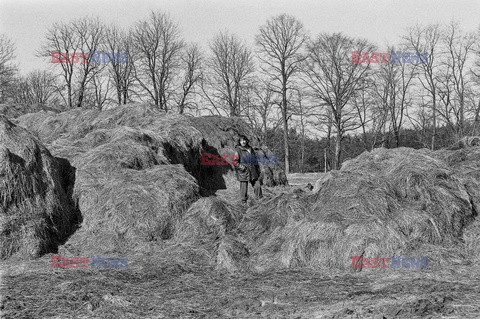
239 159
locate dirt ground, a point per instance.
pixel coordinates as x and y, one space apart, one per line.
158 285
157 288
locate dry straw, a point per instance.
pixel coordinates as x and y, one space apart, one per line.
137 170
380 204
139 180
35 211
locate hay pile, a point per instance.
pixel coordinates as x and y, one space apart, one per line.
384 203
132 181
14 110
139 182
465 162
138 170
380 204
36 213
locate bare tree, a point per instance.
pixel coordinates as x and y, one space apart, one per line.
301 112
257 107
191 61
333 79
420 118
425 40
363 101
280 41
17 90
392 84
157 49
62 46
265 100
119 44
230 65
474 100
97 91
90 33
41 86
7 67
459 49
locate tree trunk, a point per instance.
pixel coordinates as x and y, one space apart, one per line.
396 132
303 149
70 102
462 116
125 94
264 130
285 124
80 95
338 148
119 93
285 139
434 114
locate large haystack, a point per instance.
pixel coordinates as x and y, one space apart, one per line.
138 169
134 174
380 204
36 213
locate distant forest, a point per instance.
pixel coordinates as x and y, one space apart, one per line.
423 91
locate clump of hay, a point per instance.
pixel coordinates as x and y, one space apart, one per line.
232 254
383 203
77 123
36 213
208 216
466 142
14 110
466 165
471 237
125 210
272 175
210 226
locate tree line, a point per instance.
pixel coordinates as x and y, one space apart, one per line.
290 86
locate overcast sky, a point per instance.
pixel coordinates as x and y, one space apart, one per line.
382 22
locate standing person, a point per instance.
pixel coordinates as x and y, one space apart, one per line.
247 169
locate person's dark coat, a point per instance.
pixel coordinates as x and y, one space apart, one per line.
247 168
